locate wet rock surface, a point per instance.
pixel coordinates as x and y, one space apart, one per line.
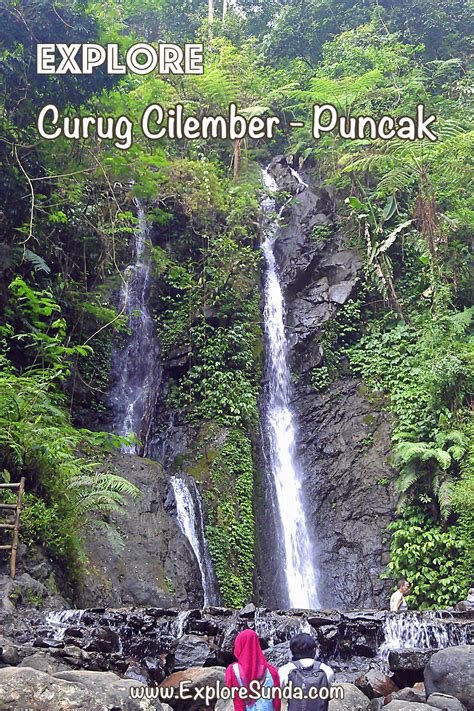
165 640
153 550
162 646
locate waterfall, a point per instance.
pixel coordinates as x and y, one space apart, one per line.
298 177
61 620
414 630
178 625
280 426
137 365
190 520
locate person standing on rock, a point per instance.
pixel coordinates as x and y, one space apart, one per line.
397 601
467 604
306 673
251 666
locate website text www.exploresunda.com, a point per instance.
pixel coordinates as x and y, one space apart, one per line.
208 694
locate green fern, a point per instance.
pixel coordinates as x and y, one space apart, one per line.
101 492
427 467
37 262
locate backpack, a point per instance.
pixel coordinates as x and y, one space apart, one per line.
307 678
259 704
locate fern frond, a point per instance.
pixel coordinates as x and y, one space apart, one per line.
444 494
406 479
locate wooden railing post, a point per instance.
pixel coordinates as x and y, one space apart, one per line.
15 525
21 491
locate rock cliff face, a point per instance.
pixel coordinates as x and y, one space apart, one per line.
344 442
344 437
154 564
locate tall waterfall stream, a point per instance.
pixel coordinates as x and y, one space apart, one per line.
284 470
138 365
134 396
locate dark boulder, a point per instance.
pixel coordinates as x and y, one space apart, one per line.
44 662
409 664
48 643
409 694
209 679
104 640
375 683
8 653
451 671
194 651
279 654
409 659
156 668
324 617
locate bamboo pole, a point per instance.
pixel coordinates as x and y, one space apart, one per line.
14 546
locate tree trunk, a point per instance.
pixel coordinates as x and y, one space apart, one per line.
211 11
224 8
236 157
391 289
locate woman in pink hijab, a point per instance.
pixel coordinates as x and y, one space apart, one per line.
251 666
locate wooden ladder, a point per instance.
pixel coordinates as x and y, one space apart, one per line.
15 525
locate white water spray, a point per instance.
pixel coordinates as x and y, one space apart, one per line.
190 520
414 630
300 572
298 177
61 620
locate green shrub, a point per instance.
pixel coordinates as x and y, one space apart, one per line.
428 556
230 532
49 527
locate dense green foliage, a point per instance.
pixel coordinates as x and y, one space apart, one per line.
37 438
230 532
67 213
428 555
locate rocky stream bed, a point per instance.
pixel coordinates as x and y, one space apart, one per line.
89 659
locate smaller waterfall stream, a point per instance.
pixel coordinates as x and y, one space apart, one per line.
414 630
190 520
61 620
300 571
137 365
